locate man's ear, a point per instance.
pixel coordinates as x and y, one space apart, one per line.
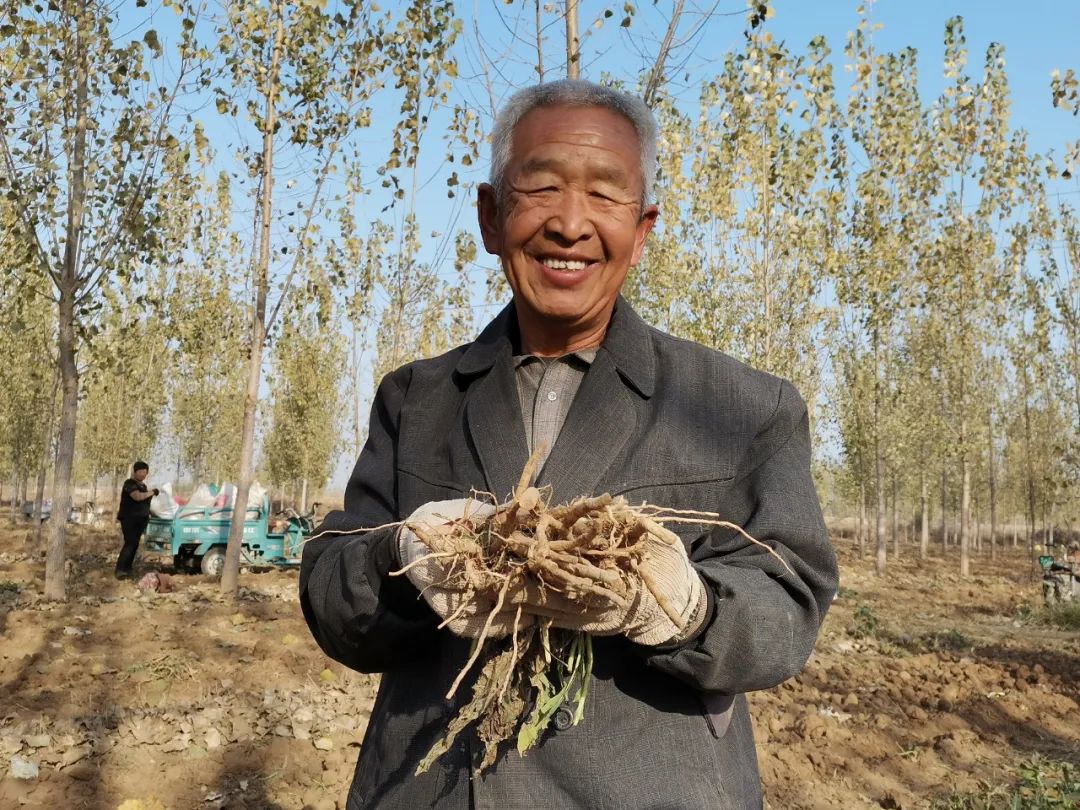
487 210
644 227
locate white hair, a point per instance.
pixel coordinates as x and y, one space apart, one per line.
573 93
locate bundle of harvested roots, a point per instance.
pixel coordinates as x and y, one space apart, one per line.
588 552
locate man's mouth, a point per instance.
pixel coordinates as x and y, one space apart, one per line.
567 265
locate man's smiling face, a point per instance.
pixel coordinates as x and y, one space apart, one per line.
571 225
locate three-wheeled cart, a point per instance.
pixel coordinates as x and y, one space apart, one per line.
196 538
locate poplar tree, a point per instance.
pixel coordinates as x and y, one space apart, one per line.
86 137
305 74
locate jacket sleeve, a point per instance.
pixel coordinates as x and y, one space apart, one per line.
764 618
358 614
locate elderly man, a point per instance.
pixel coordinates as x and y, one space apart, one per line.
624 409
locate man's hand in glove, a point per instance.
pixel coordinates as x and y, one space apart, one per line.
638 614
641 617
429 572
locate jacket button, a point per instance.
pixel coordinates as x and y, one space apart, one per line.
564 718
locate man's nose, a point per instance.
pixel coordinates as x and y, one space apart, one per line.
571 221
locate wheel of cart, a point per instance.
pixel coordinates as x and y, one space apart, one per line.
213 562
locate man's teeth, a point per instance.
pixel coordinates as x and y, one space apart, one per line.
561 264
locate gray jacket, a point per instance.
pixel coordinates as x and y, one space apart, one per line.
656 419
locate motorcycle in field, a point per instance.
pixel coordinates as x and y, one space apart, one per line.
89 514
1060 580
290 517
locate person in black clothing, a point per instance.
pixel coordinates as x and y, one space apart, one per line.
134 514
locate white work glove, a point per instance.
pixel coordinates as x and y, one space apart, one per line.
430 573
641 619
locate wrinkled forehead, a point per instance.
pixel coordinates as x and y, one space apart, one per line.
569 137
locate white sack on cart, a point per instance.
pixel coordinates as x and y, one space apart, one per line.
162 505
255 499
227 495
200 499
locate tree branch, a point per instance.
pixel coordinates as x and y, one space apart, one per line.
656 75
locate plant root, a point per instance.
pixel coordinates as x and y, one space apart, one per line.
526 567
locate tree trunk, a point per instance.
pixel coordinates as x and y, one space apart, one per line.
881 540
1028 461
944 510
879 522
924 519
573 43
303 480
65 448
862 517
358 427
231 573
895 521
656 75
539 42
67 289
965 502
993 485
14 493
46 455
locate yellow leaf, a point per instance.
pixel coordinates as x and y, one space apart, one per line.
326 676
150 803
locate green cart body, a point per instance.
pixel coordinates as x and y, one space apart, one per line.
196 538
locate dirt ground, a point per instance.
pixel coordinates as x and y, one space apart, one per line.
923 687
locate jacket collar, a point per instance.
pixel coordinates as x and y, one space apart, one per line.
628 341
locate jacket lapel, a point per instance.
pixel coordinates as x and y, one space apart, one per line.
602 419
493 412
492 407
600 422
